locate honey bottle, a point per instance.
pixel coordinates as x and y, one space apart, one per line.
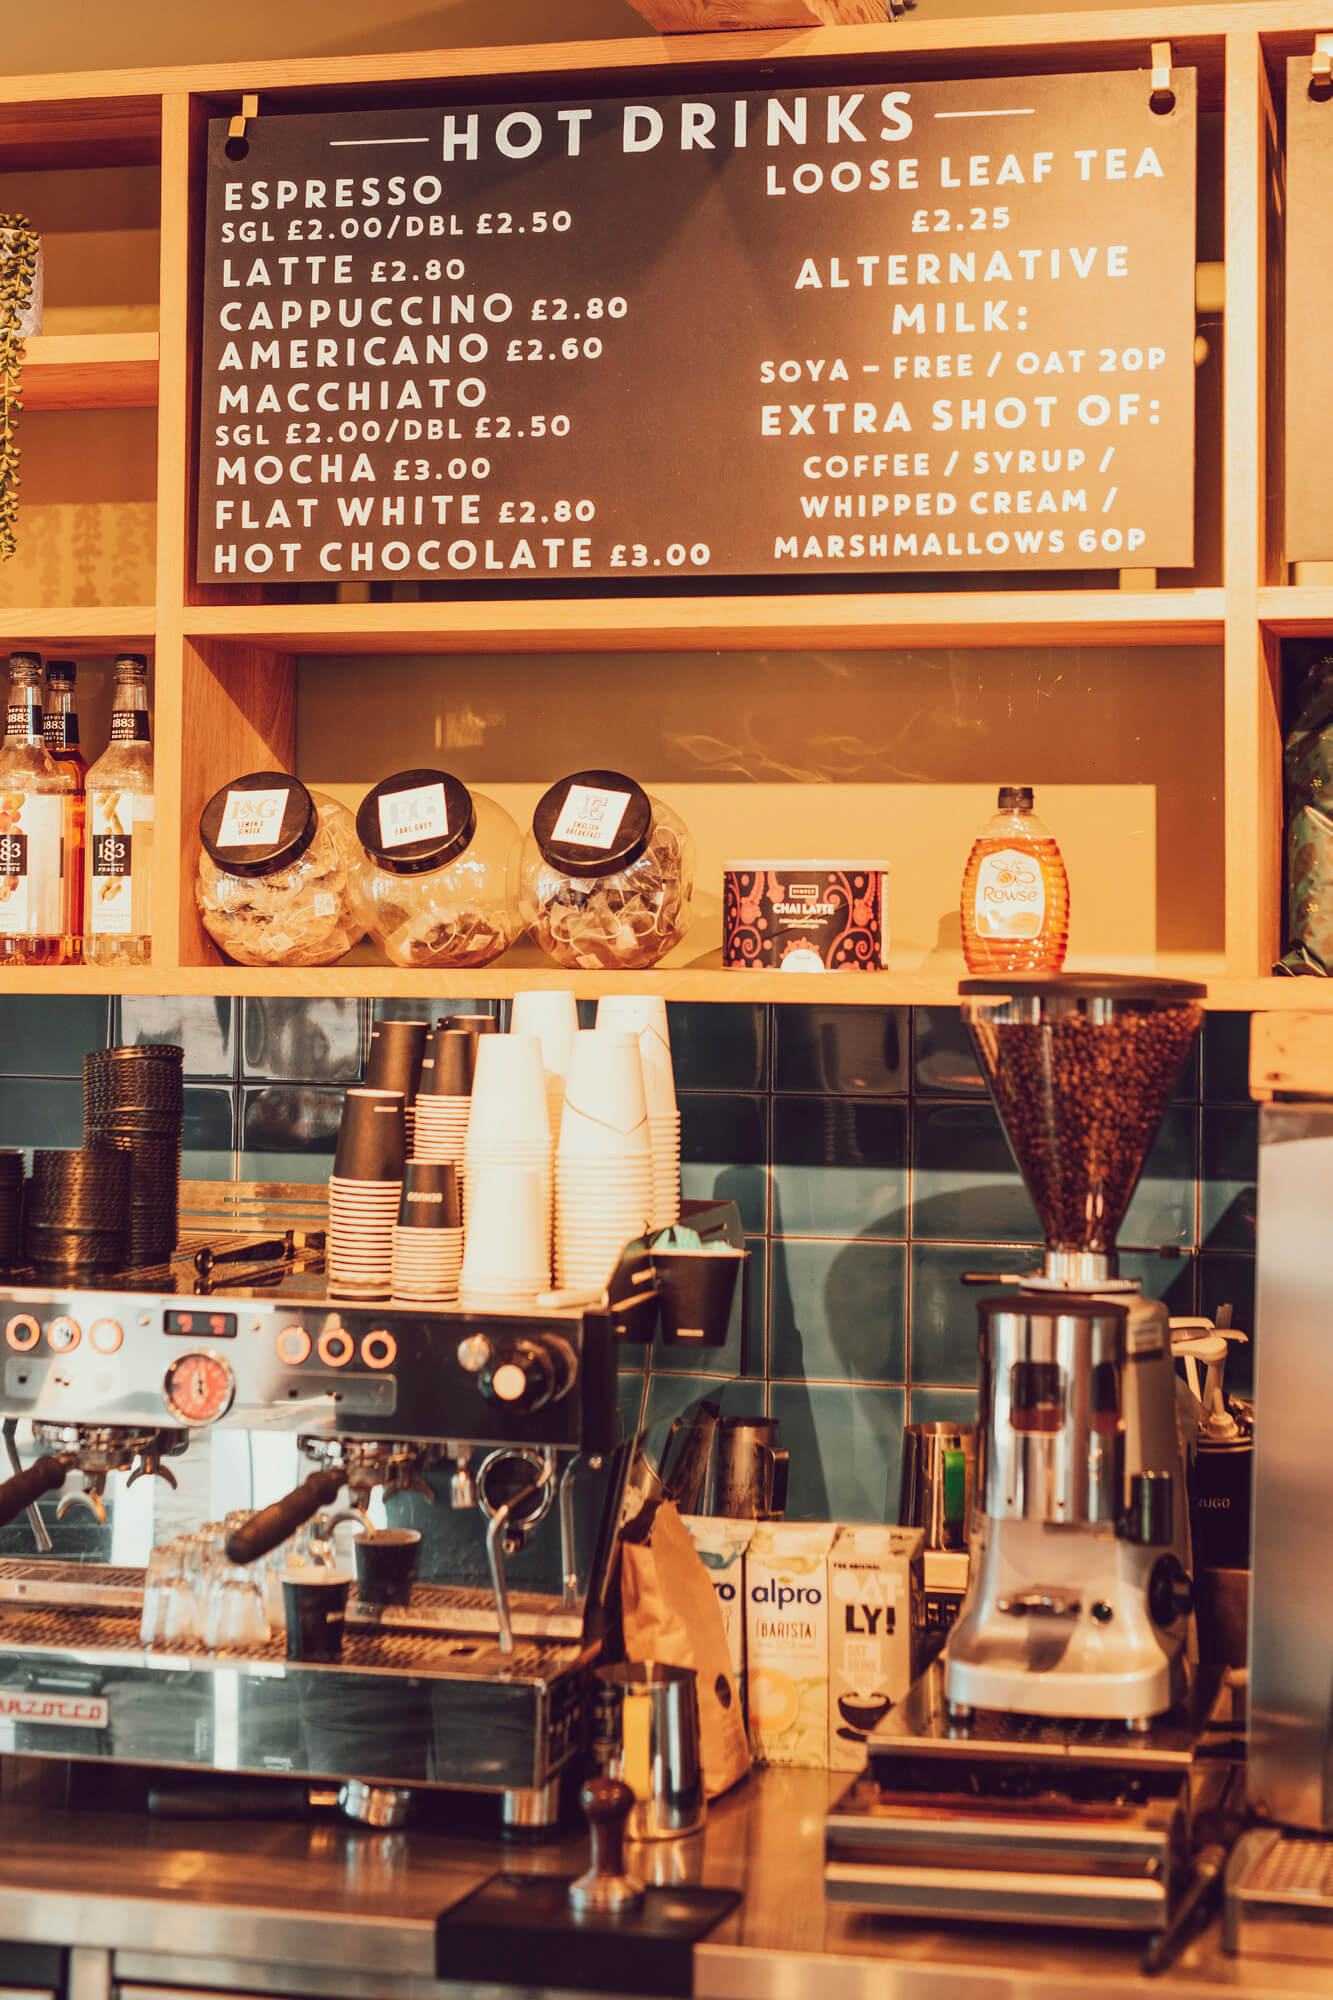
1015 900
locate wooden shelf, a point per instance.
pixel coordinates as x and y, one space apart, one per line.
1297 611
89 628
498 982
696 623
90 371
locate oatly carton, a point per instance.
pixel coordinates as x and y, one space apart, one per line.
786 1641
721 1545
876 1607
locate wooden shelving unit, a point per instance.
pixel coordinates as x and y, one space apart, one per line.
227 670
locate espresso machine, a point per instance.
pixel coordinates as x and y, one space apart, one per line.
1042 1767
242 1390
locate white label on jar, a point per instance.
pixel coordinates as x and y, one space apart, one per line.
590 818
119 833
1010 895
32 898
325 904
409 816
251 819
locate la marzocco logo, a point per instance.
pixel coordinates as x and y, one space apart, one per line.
780 1595
69 1711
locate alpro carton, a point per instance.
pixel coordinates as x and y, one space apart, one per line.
876 1607
786 1640
721 1545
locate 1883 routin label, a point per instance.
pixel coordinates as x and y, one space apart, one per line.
931 326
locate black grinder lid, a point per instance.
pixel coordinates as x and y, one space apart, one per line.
416 821
258 823
593 823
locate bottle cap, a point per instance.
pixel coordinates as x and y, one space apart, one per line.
1015 798
61 673
593 823
128 667
416 821
25 663
258 823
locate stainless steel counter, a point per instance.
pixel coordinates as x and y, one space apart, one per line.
329 1910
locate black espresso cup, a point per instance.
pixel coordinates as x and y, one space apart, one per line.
386 1563
448 1064
430 1196
372 1139
316 1605
393 1060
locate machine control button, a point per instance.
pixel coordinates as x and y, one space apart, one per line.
523 1374
474 1353
1170 1592
63 1334
23 1332
107 1336
379 1349
336 1347
1102 1611
294 1345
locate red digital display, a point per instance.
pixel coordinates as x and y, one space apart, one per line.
200 1325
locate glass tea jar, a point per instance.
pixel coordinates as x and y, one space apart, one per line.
606 874
435 880
275 872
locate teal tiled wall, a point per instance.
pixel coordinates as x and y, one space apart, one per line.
858 1144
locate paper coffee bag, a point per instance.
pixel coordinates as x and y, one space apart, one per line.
876 1608
721 1545
786 1640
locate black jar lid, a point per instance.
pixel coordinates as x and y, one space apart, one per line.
618 831
290 820
446 808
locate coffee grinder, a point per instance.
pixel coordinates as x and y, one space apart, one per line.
1043 1768
1078 1599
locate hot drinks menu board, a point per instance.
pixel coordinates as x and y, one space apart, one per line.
1308 527
940 327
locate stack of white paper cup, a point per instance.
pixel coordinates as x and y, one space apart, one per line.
506 1260
428 1235
364 1191
603 1168
554 1019
507 1127
444 1096
645 1015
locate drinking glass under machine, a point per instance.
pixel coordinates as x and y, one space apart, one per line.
1044 1766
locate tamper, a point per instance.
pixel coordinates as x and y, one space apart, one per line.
606 1889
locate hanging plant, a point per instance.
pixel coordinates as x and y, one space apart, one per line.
18 273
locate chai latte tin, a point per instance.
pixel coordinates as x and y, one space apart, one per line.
805 916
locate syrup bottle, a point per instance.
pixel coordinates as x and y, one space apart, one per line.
60 723
35 796
1015 901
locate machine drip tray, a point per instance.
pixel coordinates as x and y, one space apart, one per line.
1279 1896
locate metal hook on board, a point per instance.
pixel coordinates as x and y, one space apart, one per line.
238 145
1161 97
1321 68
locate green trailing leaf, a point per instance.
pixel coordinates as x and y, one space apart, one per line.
18 269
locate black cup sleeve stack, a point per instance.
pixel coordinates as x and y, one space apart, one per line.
134 1104
11 1209
76 1212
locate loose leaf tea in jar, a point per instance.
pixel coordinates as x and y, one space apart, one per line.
435 881
274 873
606 874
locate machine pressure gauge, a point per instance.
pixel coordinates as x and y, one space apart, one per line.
198 1388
